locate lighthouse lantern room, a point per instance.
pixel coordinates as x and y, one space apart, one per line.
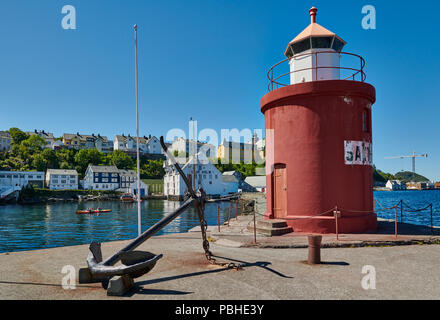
314 53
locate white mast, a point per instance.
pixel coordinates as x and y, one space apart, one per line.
137 136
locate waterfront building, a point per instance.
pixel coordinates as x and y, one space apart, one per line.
395 185
257 182
133 188
61 179
83 141
127 177
5 141
205 174
22 178
101 178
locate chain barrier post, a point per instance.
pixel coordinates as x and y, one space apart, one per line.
395 221
229 215
236 210
337 214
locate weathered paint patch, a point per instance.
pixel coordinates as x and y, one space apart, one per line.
358 152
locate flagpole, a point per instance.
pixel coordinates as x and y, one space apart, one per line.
137 136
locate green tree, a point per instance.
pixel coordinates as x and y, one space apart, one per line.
17 136
51 158
152 169
120 159
33 143
39 163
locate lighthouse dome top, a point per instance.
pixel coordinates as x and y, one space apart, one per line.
314 36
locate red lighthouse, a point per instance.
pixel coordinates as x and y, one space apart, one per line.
318 136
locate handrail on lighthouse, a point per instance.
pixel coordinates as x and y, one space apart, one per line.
354 73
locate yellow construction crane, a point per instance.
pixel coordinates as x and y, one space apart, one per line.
413 156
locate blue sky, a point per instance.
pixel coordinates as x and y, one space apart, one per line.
208 60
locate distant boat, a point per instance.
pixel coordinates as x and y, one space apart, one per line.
91 211
127 197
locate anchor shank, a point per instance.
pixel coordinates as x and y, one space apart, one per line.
150 232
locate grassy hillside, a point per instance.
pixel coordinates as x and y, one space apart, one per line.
407 176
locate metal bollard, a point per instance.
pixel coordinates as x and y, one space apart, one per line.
314 249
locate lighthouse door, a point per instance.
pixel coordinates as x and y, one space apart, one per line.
279 191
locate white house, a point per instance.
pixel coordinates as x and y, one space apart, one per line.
206 175
395 185
258 182
5 141
150 145
133 188
61 179
21 178
101 178
47 136
56 145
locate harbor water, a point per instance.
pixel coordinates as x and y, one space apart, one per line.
30 227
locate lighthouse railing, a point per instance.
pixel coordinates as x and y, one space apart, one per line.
353 72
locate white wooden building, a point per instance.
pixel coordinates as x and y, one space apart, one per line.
143 186
61 179
207 176
395 185
21 178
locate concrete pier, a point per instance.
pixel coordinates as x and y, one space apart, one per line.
403 272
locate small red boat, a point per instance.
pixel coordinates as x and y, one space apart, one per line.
92 211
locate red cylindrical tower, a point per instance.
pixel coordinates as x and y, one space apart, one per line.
318 137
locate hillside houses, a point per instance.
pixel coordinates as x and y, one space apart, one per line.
150 145
85 141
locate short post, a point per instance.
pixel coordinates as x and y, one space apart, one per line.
314 249
337 214
395 221
229 215
401 211
236 211
218 217
255 224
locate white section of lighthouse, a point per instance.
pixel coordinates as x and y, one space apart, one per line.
314 53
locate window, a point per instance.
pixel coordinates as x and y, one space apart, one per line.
337 45
365 121
301 46
104 179
321 42
114 180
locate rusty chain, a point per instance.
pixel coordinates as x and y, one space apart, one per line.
200 207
